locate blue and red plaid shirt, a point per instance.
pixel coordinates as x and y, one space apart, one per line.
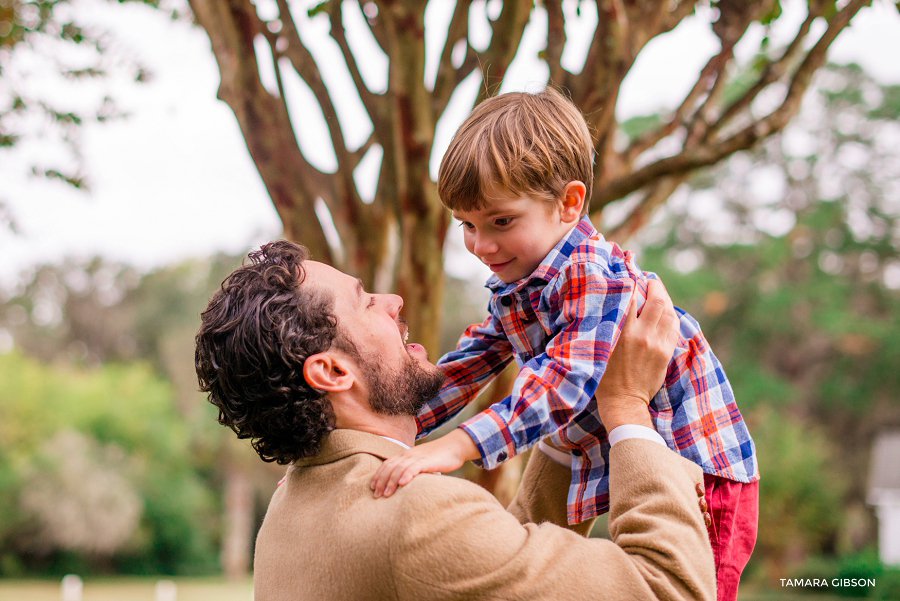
561 324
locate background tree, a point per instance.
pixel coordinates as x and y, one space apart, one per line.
392 234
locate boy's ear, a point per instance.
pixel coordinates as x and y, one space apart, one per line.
328 371
572 201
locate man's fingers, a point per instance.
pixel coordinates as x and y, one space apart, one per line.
656 304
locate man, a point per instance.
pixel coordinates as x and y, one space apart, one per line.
317 372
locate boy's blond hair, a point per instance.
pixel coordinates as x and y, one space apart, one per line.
525 143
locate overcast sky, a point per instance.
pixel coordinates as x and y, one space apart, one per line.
174 180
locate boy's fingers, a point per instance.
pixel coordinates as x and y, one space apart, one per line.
403 476
383 475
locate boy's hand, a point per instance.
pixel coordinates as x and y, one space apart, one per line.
442 455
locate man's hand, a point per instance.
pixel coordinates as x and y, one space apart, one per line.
637 368
442 455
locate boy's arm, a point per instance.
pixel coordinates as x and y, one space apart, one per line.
557 385
482 353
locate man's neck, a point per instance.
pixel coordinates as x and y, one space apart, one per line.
356 416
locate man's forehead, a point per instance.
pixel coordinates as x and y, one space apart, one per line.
326 277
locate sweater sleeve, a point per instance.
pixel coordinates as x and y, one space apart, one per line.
466 546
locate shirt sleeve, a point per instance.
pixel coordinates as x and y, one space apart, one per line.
482 353
558 384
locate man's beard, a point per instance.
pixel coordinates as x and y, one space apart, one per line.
400 392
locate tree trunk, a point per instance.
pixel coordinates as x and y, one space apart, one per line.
237 536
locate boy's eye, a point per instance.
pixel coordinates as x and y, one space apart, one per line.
466 225
503 221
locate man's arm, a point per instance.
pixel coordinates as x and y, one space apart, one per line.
452 540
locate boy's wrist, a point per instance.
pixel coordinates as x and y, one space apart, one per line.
464 444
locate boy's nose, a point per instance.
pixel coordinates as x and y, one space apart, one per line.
484 246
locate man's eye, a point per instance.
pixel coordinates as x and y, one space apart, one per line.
371 302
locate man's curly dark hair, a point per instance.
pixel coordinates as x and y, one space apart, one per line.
256 332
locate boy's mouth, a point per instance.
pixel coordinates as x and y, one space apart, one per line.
495 267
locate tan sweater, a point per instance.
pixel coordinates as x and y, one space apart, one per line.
326 537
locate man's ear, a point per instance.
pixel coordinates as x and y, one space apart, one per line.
328 371
572 201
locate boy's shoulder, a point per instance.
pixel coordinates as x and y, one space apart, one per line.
601 255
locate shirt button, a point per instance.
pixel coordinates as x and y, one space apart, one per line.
502 456
506 301
707 519
703 505
576 452
699 489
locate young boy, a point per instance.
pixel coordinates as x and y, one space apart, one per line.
517 176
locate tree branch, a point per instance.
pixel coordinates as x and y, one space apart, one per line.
304 63
556 41
372 102
507 34
641 214
446 80
693 158
771 72
290 180
677 15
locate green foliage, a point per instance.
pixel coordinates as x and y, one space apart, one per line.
125 406
636 126
796 512
863 565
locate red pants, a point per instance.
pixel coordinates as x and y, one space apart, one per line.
734 508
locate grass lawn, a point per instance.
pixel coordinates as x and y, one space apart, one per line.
128 589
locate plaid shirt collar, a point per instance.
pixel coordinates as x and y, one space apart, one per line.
551 264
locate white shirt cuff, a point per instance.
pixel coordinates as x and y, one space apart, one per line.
558 456
634 431
619 433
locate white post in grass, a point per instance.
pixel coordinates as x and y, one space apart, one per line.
165 591
70 589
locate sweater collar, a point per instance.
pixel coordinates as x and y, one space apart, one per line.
342 443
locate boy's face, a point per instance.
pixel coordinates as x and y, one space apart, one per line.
513 233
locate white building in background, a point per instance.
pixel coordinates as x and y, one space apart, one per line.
884 494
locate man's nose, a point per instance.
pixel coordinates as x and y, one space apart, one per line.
393 303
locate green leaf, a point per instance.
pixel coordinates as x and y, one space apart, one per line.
773 14
319 9
890 105
636 126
